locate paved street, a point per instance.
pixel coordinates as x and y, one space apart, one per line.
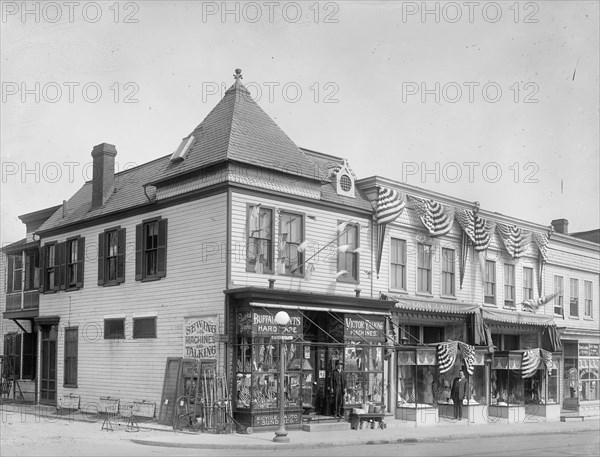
29 434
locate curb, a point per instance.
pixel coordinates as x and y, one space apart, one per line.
333 443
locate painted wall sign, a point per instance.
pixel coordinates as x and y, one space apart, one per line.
200 339
367 328
265 420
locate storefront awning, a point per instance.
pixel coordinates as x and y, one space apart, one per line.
434 306
317 308
516 317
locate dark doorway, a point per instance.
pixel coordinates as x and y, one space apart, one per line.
48 372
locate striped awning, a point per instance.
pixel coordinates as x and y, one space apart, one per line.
516 317
433 306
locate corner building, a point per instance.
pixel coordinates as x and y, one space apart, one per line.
191 256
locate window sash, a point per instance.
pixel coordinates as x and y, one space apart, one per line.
527 283
16 263
490 282
291 233
448 269
260 240
114 329
509 285
151 248
111 255
574 297
423 268
588 298
144 327
559 299
71 343
398 264
348 260
72 263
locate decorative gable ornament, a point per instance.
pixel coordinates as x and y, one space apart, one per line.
343 178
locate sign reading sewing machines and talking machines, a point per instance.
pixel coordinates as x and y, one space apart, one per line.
370 328
201 337
261 322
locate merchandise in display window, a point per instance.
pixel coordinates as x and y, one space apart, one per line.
507 386
589 367
417 375
553 383
364 373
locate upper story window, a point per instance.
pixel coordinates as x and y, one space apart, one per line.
111 256
574 298
527 283
291 234
259 255
398 264
424 268
51 267
62 265
587 289
558 300
448 266
151 250
347 261
15 273
489 294
509 285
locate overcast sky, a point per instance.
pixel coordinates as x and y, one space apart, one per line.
490 101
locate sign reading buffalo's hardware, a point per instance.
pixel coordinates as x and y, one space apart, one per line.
200 338
263 324
369 328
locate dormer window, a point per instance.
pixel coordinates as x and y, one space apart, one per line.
344 180
183 149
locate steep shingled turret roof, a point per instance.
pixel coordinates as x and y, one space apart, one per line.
238 130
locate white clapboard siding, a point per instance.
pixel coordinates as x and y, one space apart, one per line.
320 230
133 369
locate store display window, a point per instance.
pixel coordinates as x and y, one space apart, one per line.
418 379
364 373
506 381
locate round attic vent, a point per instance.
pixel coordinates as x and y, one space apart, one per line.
345 183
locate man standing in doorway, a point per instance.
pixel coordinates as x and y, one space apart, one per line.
458 394
338 390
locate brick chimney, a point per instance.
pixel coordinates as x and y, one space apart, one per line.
103 181
561 226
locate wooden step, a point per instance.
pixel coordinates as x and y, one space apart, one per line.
571 416
326 426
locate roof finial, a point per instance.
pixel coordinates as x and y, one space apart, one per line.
238 75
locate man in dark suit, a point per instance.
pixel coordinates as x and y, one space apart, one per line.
458 394
338 390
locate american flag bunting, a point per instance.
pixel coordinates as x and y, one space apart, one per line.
436 218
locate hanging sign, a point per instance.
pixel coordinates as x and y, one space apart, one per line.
200 339
366 328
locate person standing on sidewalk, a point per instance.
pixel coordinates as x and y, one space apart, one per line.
458 394
338 390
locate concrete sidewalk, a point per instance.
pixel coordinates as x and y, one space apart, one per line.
399 432
154 434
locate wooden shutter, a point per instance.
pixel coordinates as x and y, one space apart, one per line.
120 255
162 248
101 257
139 252
11 270
80 261
29 355
42 268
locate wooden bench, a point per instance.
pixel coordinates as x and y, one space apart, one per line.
357 420
571 416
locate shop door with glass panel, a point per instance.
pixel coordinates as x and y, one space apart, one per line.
48 372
